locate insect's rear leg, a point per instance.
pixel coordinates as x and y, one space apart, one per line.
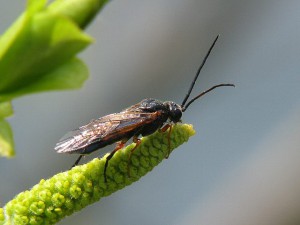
77 161
137 142
119 145
164 129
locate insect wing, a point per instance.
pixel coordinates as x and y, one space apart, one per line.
104 127
76 139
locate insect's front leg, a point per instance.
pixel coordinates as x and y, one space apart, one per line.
119 145
164 129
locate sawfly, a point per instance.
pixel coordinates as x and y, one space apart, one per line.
141 119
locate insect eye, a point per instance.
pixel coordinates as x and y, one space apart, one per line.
176 115
175 111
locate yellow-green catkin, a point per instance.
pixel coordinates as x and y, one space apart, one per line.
70 191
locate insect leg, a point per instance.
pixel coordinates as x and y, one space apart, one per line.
77 161
137 142
164 129
119 145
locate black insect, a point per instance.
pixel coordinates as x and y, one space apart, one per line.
143 118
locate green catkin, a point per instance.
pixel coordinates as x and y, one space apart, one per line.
70 191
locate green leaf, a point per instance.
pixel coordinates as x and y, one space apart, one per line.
46 42
43 38
13 33
70 75
37 53
80 11
35 5
6 109
6 139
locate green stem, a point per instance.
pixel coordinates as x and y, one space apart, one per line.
70 191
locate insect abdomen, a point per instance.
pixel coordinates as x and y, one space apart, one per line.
108 140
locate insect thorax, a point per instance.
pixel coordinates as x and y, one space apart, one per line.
170 109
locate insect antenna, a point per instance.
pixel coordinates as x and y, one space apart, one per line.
198 72
203 93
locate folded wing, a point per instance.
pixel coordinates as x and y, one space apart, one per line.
104 127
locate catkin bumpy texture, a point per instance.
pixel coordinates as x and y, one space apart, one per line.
65 193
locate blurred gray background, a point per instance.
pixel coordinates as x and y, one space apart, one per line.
242 166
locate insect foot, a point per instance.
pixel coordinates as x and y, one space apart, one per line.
65 193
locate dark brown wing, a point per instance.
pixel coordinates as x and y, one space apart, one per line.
104 127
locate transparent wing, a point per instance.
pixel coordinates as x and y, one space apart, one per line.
96 130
